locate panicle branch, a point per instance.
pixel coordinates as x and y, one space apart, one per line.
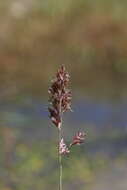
78 138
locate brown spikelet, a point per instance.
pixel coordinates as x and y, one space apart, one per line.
60 96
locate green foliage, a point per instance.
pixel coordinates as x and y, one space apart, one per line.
35 166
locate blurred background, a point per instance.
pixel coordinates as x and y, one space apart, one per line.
90 39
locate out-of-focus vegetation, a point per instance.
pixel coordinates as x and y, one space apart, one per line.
34 165
90 39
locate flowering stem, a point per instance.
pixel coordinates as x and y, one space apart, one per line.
60 101
60 163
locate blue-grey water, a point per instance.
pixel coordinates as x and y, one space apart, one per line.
84 111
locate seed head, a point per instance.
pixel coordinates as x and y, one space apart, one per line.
59 96
78 138
63 147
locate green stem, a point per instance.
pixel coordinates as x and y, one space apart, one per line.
59 155
60 163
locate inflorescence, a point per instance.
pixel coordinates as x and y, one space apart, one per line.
60 102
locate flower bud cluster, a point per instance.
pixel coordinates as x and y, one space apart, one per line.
63 147
78 138
60 102
60 96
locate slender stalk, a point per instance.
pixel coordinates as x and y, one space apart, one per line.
59 155
60 163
